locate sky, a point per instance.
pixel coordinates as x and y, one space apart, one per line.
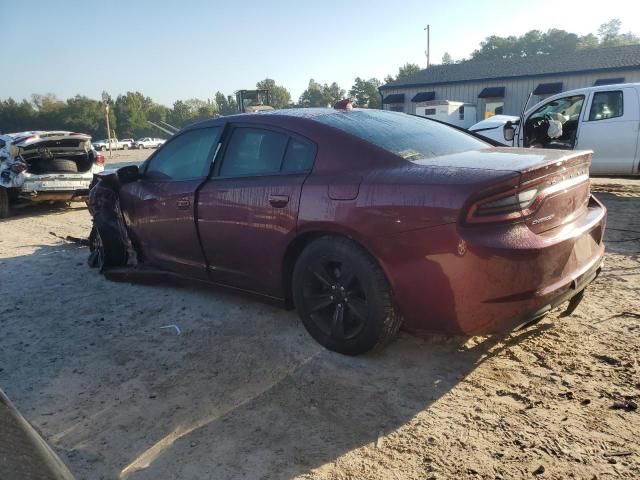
171 50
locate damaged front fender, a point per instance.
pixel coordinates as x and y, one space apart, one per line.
109 242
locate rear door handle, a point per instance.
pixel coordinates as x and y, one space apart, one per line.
183 203
278 201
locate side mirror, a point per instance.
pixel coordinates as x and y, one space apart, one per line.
128 174
509 131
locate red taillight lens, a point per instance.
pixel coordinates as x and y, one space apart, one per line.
99 159
505 206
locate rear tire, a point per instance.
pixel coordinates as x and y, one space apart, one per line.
4 203
343 297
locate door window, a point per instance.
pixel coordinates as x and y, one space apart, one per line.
254 151
185 157
606 105
299 156
554 124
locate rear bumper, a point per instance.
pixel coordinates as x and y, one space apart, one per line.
481 280
56 187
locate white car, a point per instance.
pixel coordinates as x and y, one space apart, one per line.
492 127
46 166
605 119
149 142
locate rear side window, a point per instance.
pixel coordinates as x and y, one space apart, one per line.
299 156
185 157
254 151
606 105
408 136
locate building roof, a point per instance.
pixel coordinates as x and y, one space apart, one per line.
580 61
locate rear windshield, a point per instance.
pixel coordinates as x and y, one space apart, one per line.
410 137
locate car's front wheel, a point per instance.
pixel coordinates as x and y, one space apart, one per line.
343 297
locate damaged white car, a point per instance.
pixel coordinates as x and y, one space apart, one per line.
46 167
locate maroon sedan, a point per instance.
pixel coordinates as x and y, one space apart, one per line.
364 220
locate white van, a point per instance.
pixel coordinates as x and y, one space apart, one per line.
605 119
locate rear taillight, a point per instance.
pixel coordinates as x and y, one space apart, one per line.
99 159
509 205
517 203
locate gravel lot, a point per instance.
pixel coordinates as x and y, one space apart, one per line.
244 392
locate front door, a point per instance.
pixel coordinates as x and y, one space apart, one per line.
248 211
160 207
610 129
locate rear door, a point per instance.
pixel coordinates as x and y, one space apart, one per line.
161 205
247 211
610 128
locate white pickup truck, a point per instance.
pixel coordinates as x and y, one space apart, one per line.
605 119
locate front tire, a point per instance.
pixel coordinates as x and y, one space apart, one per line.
343 297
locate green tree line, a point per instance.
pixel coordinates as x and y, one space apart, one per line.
130 113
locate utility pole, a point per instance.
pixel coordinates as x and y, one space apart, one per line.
106 110
427 50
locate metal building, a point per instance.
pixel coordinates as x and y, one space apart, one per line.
502 86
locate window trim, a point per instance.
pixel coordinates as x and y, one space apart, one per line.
232 127
593 97
144 174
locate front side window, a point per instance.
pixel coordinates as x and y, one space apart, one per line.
554 124
567 107
185 157
606 105
253 151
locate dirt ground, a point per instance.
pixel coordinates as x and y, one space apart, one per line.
241 391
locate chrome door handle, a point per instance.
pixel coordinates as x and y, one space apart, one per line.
278 201
183 203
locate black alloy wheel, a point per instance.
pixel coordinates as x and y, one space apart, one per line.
343 297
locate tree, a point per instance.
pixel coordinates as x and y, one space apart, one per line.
365 93
588 41
280 96
332 93
16 117
317 95
446 59
131 115
610 36
225 105
180 115
83 114
407 70
313 96
535 42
